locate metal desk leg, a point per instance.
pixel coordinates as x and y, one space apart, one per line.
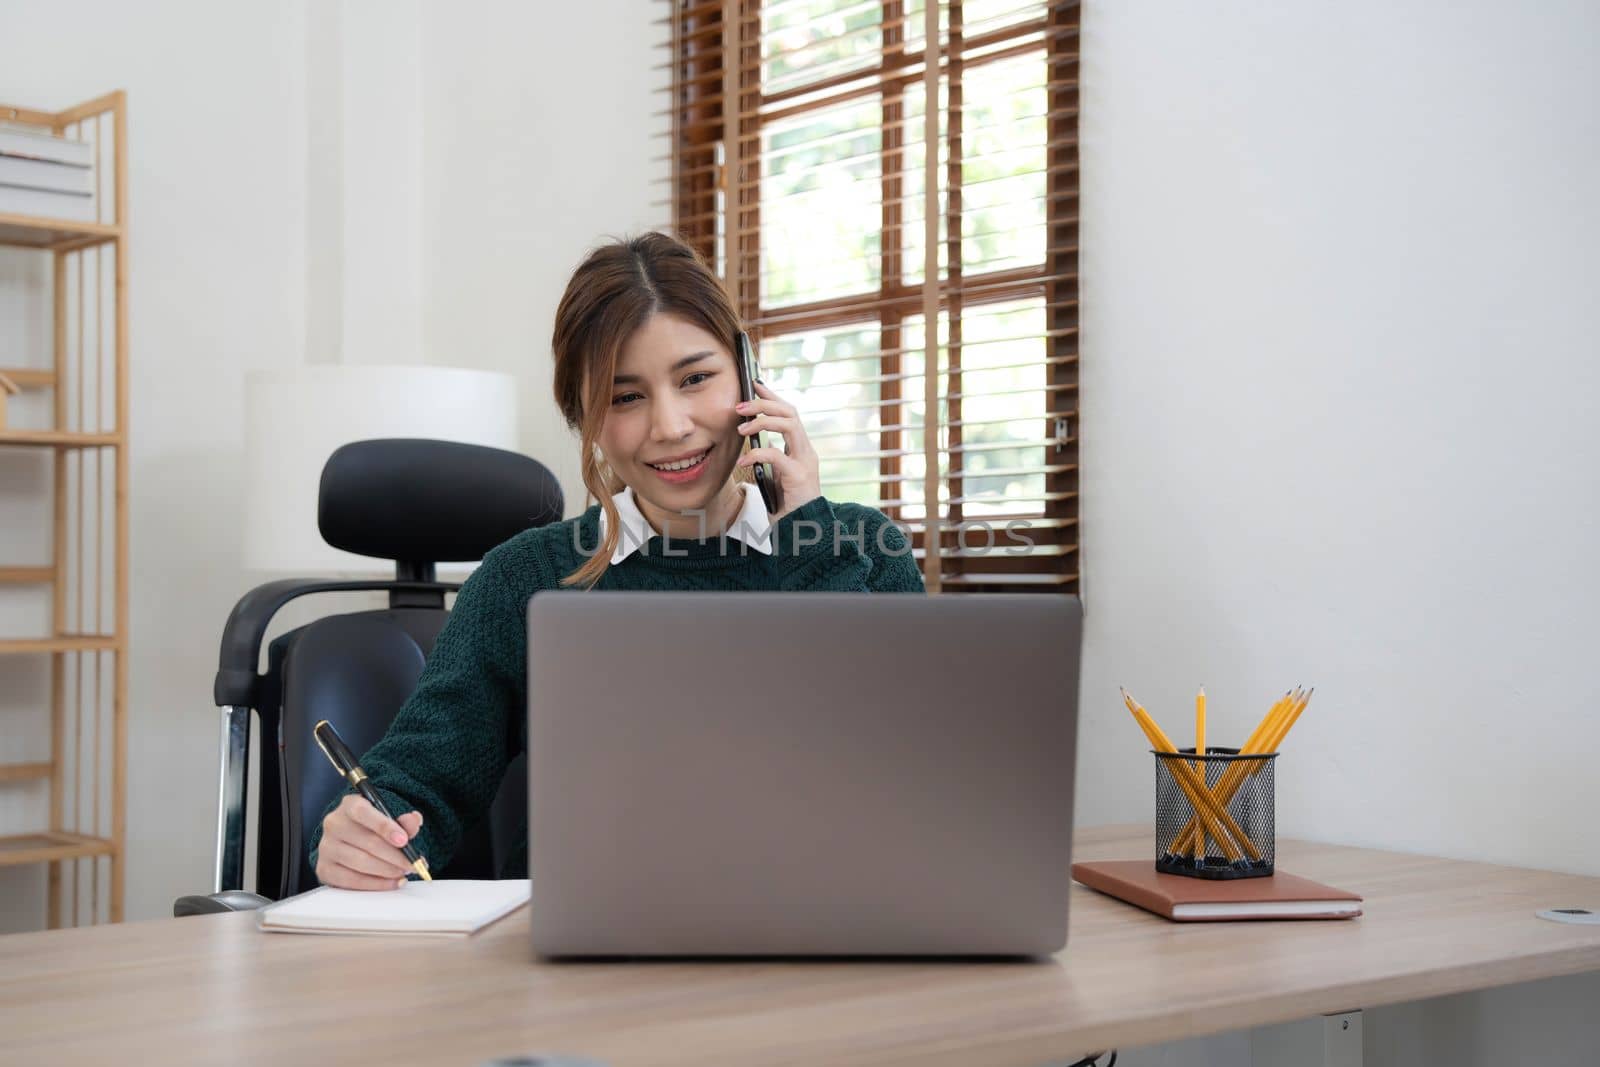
1329 1040
1341 1040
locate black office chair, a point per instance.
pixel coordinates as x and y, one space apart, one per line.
415 502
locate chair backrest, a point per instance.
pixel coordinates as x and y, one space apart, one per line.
416 502
355 671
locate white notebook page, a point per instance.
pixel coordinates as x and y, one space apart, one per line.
454 906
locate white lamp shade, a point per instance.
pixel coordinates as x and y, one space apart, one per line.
295 419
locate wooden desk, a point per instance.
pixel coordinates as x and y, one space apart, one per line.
213 989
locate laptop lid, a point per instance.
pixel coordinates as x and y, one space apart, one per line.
800 773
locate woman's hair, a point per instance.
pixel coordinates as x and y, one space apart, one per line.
616 290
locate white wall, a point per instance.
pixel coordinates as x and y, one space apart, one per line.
523 174
216 135
535 152
1339 381
1340 326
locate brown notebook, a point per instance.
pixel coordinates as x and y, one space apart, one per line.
1172 896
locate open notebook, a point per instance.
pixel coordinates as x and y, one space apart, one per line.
439 909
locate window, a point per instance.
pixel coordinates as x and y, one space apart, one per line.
801 169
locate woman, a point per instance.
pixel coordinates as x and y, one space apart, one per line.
644 349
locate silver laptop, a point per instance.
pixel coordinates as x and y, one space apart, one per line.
785 774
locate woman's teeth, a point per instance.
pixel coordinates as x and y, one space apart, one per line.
682 464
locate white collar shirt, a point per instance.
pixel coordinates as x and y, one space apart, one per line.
753 526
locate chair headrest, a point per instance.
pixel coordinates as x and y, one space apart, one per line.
420 501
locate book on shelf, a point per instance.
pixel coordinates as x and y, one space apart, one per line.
50 177
43 203
24 143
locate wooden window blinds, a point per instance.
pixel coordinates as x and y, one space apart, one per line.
801 168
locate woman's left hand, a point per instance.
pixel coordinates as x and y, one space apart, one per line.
795 464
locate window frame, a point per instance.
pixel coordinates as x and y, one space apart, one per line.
716 207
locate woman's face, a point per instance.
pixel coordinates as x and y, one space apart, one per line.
672 407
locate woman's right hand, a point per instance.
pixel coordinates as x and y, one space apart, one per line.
361 846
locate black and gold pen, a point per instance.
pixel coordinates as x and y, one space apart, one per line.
344 761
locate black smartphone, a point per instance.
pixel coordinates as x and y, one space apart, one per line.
766 480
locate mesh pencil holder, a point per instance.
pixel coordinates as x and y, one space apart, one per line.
1235 814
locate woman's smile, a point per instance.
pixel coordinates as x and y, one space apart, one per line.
683 469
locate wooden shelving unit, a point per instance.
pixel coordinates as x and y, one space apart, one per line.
87 639
61 235
58 439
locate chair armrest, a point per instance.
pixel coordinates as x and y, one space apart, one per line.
216 903
235 683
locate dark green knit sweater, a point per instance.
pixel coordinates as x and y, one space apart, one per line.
447 749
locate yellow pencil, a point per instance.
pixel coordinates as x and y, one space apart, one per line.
1287 720
1181 773
1199 850
1268 737
1213 815
1235 774
1263 729
1218 822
